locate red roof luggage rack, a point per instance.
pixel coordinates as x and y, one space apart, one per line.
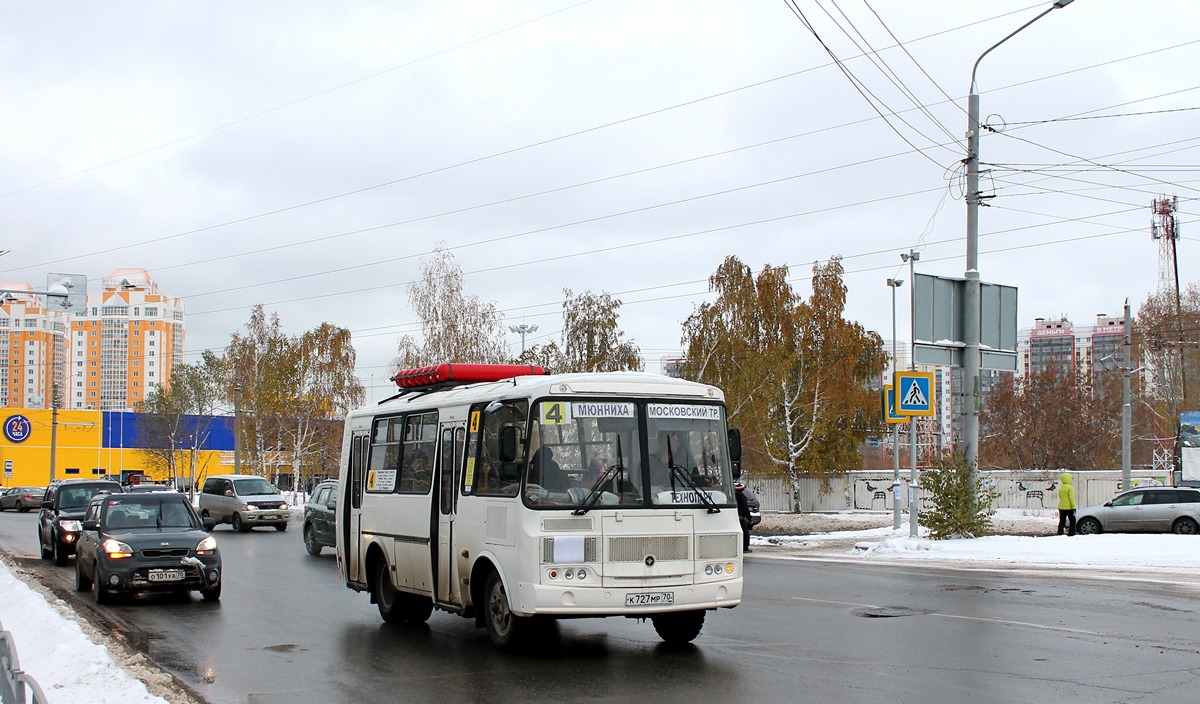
447 375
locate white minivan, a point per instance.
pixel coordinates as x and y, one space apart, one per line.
243 501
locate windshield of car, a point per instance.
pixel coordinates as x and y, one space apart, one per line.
593 453
77 496
127 512
253 487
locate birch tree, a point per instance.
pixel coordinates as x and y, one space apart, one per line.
455 327
177 419
795 372
592 340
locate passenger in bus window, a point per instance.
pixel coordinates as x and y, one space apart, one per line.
594 471
546 473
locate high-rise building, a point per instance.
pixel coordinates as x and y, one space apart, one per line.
127 342
1082 351
32 349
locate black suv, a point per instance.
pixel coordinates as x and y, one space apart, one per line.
146 542
63 507
319 517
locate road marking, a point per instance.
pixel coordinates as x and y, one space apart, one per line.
1001 621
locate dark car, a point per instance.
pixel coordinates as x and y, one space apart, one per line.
137 488
146 542
22 498
318 517
1152 509
63 507
755 507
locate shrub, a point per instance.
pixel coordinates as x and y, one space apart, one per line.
962 507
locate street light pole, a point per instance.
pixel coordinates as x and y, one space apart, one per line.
971 297
1126 404
914 509
523 330
895 284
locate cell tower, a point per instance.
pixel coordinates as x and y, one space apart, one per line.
1164 228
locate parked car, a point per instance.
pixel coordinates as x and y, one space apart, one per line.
1152 509
318 517
63 507
22 498
138 488
135 479
753 503
243 501
146 542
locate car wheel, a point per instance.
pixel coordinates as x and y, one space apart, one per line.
1185 526
281 527
310 541
101 595
211 593
238 524
506 629
61 557
1089 526
679 627
82 582
21 507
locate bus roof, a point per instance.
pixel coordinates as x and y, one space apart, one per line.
626 384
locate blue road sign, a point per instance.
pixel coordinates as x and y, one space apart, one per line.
889 406
915 396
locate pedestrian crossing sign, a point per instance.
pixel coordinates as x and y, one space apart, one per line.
915 394
889 406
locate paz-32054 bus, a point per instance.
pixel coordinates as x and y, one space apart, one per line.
509 496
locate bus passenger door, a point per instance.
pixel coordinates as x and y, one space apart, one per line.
450 462
352 523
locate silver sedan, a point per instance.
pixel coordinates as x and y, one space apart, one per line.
1154 509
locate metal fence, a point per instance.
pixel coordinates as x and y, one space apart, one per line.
14 682
1031 491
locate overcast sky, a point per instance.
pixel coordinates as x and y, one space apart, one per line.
305 155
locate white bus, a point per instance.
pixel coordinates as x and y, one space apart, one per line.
509 496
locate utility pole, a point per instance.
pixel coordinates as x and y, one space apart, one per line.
914 509
237 427
1126 406
53 428
972 295
894 284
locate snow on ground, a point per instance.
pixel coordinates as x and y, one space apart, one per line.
52 647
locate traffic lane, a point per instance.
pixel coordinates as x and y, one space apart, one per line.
987 636
19 533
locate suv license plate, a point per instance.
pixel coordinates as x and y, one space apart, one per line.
166 575
650 599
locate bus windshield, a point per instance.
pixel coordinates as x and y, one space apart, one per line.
593 454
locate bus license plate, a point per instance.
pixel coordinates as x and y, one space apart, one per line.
166 575
650 599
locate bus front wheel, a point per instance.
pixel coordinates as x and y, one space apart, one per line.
678 627
505 628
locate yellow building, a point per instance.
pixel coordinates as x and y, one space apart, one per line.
93 444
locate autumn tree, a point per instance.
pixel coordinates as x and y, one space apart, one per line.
177 419
1166 333
795 372
592 340
1050 419
292 391
455 327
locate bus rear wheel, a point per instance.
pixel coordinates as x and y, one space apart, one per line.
678 627
506 629
396 606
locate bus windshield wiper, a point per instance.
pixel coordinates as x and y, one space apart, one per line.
686 479
593 496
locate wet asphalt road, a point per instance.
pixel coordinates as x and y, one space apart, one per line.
286 630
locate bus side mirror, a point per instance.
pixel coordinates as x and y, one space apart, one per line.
735 445
508 443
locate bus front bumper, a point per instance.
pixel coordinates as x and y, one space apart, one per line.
583 600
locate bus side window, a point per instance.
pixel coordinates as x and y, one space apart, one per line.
494 476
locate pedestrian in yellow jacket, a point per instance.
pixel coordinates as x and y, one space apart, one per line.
1066 504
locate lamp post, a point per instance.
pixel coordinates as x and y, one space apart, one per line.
523 330
914 495
971 298
895 284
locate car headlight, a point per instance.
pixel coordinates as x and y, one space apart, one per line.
115 549
208 546
70 526
282 507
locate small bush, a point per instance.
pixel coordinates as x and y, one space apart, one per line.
961 508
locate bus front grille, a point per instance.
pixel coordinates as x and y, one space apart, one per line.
637 549
579 524
717 547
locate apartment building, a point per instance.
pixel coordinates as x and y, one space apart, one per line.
32 348
127 343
